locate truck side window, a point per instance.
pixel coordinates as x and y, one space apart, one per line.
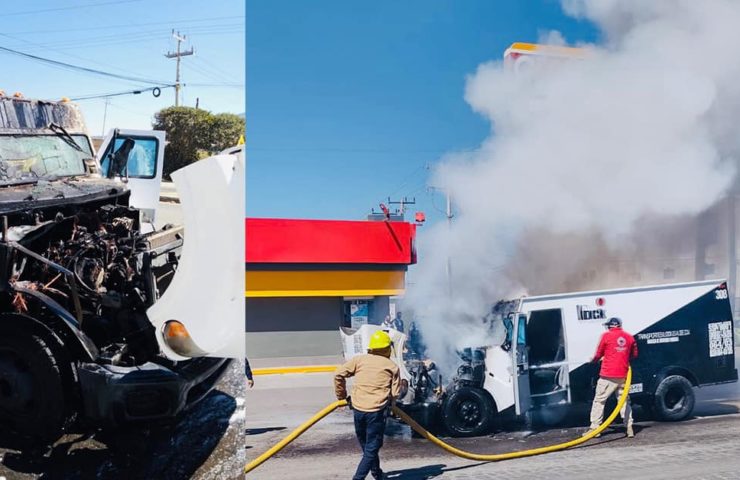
521 338
142 157
509 326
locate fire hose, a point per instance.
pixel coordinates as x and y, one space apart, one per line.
443 445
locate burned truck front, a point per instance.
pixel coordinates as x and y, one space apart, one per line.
77 277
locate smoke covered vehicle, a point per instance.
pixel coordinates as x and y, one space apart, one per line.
97 323
539 366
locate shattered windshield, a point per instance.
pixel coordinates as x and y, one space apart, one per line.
500 325
26 158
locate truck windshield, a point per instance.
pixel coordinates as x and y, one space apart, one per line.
26 158
499 323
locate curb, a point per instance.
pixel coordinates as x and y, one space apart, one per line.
298 369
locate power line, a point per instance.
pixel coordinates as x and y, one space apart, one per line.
71 7
127 25
214 70
224 85
129 110
410 177
27 42
206 73
79 68
128 40
155 91
139 36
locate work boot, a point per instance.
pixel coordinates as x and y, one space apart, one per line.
589 431
630 432
379 475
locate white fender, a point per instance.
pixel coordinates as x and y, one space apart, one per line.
207 292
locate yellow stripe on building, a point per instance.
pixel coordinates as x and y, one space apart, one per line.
333 283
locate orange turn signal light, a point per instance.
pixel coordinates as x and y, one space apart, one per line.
177 337
175 329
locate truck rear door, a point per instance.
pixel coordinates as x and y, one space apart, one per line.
522 397
139 156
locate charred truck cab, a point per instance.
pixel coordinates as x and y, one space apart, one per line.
80 337
539 365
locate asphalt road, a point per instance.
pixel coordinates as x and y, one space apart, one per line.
706 446
206 443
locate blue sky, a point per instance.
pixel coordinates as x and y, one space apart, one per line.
128 37
348 101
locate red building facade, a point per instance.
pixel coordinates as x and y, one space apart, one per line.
306 278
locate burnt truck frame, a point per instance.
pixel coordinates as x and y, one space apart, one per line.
541 366
77 277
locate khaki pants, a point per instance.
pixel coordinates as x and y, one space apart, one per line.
605 387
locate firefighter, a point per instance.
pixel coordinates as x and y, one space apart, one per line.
398 322
376 386
415 342
616 349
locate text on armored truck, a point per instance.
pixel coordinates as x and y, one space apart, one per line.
670 336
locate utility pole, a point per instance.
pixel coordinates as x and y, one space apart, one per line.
449 215
403 202
448 212
105 114
177 55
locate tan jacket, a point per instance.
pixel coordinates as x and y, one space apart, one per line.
376 382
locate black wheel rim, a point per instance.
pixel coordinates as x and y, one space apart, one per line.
674 398
469 413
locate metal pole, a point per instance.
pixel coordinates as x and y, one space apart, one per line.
105 114
731 249
177 55
177 71
449 238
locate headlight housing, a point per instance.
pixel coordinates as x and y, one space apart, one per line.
177 337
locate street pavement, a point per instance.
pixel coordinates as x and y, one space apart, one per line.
207 443
703 447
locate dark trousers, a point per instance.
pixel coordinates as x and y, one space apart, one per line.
370 428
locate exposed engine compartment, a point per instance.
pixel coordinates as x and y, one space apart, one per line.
93 263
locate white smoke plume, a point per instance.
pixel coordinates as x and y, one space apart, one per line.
581 153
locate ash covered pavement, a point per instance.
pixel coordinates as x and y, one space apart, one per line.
207 443
704 446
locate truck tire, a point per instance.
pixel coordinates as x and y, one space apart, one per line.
468 412
32 400
674 399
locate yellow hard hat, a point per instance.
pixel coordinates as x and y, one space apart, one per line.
379 340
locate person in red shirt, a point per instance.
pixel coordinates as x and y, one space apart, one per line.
616 349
